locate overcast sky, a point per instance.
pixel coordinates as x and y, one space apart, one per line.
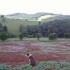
34 6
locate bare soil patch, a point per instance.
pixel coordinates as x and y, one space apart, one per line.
13 53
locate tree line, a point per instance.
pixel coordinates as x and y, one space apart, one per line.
60 27
52 29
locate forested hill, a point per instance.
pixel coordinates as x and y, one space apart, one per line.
60 27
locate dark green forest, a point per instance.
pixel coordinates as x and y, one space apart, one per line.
60 27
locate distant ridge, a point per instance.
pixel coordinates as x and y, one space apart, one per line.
36 16
27 16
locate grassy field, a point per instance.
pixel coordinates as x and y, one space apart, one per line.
14 24
29 39
43 39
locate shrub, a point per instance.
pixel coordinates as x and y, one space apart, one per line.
52 36
30 36
38 36
67 35
10 35
3 36
20 36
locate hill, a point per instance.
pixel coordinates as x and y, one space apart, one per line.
14 24
47 18
13 21
41 16
31 17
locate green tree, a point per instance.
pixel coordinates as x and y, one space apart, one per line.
67 35
2 18
23 30
3 36
20 36
5 28
38 36
1 25
52 36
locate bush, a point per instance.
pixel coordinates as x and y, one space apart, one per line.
30 36
52 36
10 35
20 36
3 36
67 35
38 36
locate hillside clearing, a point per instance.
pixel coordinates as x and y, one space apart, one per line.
14 24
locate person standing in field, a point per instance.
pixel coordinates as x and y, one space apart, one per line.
32 61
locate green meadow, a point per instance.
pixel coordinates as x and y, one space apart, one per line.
14 24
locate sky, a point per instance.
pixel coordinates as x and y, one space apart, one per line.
34 6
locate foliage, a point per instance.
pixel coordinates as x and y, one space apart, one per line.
1 28
5 67
52 36
60 27
5 29
67 35
10 35
23 30
46 64
38 36
25 67
41 66
20 36
3 36
2 18
30 36
1 25
13 25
